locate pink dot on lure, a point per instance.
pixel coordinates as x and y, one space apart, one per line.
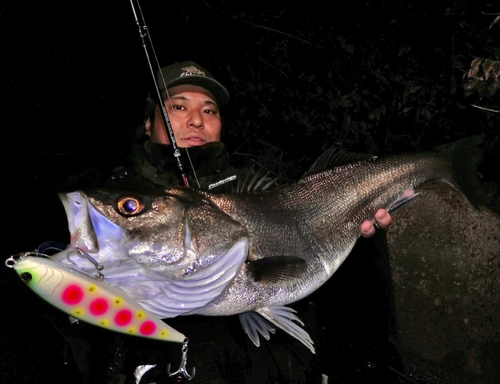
98 307
72 295
147 328
123 317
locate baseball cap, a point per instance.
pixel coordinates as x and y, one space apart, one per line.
189 72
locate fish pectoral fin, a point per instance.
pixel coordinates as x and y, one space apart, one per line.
277 269
170 298
253 324
285 318
405 198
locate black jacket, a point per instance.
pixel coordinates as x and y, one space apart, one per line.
207 167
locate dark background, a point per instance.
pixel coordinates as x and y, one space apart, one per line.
375 78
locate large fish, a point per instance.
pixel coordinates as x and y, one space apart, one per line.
181 251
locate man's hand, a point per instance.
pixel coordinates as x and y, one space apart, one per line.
383 220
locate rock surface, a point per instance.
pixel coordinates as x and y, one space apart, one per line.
445 267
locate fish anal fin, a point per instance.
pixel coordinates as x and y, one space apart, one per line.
277 269
285 318
253 324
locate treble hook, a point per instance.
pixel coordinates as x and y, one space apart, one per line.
99 276
182 368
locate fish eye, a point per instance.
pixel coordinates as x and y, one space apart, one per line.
129 206
26 277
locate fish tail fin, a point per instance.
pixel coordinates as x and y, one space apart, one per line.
465 156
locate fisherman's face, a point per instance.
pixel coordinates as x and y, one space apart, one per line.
194 116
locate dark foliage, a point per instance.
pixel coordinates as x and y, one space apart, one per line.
379 79
372 77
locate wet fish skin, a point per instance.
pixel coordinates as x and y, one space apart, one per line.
172 243
283 208
318 218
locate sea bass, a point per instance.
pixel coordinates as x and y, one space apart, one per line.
181 251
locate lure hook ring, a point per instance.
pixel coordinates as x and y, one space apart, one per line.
10 262
182 368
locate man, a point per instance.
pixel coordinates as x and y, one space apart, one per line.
193 104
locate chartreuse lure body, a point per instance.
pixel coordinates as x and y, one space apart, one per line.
91 300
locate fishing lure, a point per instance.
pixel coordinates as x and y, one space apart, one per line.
90 300
95 302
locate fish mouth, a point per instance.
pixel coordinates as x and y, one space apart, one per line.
96 242
89 230
80 227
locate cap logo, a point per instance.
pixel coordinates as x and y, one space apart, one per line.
190 71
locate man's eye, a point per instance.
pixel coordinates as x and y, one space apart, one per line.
178 107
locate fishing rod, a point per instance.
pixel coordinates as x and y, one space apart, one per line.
143 33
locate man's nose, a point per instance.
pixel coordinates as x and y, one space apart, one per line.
195 120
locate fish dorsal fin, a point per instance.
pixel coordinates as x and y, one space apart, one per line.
336 157
250 182
277 269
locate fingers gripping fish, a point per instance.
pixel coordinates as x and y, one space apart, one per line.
181 251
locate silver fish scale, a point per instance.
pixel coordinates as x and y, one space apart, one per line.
186 251
185 232
316 219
